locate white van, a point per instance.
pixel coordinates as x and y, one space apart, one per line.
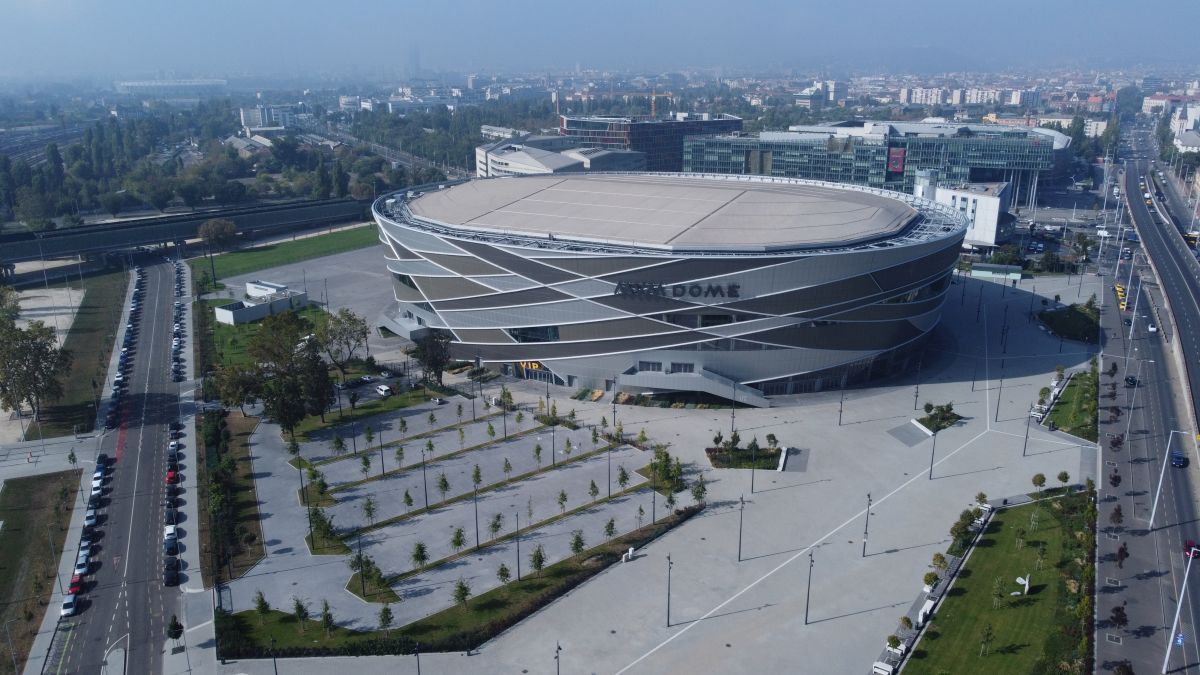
383 390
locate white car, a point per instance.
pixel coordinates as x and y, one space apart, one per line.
81 564
89 518
1152 328
68 606
169 533
173 446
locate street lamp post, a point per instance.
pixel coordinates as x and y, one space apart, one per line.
932 452
741 513
1027 416
866 525
808 590
557 655
475 499
669 566
552 450
1192 553
517 536
1161 474
608 455
425 478
274 663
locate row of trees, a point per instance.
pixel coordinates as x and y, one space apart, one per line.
31 361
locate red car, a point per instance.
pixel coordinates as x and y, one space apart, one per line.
1190 550
76 586
172 478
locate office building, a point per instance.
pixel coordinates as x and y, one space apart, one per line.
734 286
661 139
922 96
888 154
985 205
267 116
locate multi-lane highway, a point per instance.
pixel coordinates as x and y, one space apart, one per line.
125 607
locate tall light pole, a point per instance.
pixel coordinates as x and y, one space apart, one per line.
1027 416
517 536
808 591
608 455
866 525
425 478
932 451
557 654
669 566
1133 321
1161 474
741 513
1192 553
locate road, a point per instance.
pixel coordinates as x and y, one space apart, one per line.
1148 583
125 605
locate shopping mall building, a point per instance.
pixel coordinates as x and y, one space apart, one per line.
736 286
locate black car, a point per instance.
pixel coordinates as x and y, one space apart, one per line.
1131 381
102 459
171 517
171 547
170 577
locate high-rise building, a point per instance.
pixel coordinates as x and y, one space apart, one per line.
267 116
836 91
923 96
1152 84
471 80
661 139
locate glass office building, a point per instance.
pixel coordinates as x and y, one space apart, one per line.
885 155
661 139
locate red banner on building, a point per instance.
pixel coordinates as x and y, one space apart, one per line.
895 162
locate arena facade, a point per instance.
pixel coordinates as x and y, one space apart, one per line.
741 287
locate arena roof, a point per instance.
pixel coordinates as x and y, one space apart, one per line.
671 212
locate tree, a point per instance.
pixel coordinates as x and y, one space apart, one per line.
458 539
261 607
432 419
981 498
340 336
772 441
1064 478
408 501
537 454
568 447
300 612
1117 616
520 419
462 439
399 455
112 203
610 528
352 399
641 437
930 578
31 365
622 476
537 559
217 233
985 639
577 543
491 431
160 196
507 468
670 501
1114 479
429 447
443 485
593 490
893 641
1019 534
699 490
71 458
326 618
385 618
369 436
502 574
403 426
433 353
419 555
1039 481
191 192
940 563
1117 516
229 192
640 515
338 445
906 623
368 509
236 385
718 438
1122 555
174 628
562 501
462 592
496 524
365 461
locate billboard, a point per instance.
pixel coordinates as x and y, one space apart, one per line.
895 161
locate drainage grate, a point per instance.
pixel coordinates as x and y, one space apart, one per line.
1115 639
1109 581
1109 462
1112 536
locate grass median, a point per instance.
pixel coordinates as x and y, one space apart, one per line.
1076 410
1074 322
236 263
35 513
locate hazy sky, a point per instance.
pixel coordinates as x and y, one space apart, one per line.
128 38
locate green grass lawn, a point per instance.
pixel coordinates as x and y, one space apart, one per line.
35 516
1077 407
1033 633
1074 322
362 410
235 263
90 342
765 458
229 342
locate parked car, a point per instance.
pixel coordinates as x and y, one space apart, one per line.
172 478
82 565
68 606
383 390
89 518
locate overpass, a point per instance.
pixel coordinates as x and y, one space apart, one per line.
251 221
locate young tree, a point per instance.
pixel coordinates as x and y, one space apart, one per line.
476 476
402 426
593 490
1039 481
261 607
419 555
537 454
491 431
568 447
1114 479
443 485
502 574
940 563
893 641
981 498
520 419
326 618
71 458
595 438
699 490
1117 516
369 436
772 441
459 412
507 468
610 528
537 559
458 539
641 437
985 639
408 501
640 515
432 419
385 618
496 524
1118 617
577 543
368 509
429 447
562 501
174 628
300 612
622 476
1063 479
1122 555
1019 534
352 399
930 578
399 454
365 465
462 592
906 623
671 501
462 439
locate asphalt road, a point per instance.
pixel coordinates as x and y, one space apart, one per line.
125 605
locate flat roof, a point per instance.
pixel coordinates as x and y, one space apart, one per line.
670 212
